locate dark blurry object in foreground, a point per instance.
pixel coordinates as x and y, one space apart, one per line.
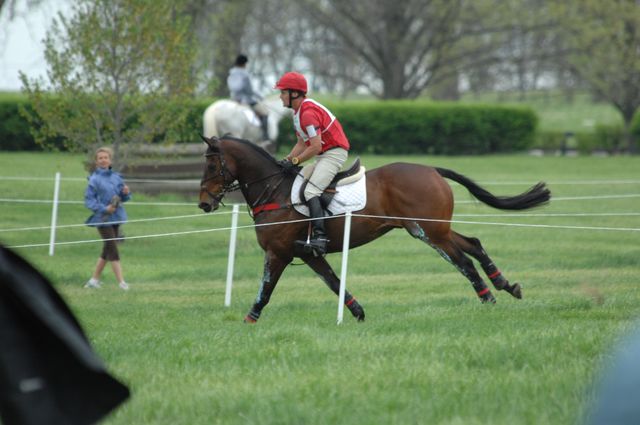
49 373
618 398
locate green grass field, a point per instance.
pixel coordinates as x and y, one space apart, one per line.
428 353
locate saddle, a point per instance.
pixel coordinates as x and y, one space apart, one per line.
251 115
350 175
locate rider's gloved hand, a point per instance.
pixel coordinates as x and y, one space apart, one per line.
287 166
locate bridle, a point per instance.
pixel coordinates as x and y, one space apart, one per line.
230 183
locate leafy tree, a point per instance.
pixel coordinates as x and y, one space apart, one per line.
228 28
219 27
406 46
118 71
604 38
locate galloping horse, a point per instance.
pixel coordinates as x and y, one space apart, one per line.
230 117
396 190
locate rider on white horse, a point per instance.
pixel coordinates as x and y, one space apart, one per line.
239 84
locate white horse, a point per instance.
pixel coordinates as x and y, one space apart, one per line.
230 117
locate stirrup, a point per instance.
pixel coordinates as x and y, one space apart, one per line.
317 247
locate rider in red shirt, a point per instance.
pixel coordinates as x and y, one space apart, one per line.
320 136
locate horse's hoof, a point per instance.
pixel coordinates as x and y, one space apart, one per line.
249 319
356 309
488 298
359 315
516 291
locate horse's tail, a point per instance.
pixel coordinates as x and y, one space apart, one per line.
536 195
209 126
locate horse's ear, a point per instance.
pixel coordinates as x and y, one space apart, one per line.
210 141
205 140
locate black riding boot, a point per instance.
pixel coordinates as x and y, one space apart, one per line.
318 242
265 126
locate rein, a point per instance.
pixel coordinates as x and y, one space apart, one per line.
262 203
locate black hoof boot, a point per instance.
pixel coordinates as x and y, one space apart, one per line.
515 290
356 309
487 298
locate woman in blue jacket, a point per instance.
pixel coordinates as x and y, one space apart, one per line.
104 196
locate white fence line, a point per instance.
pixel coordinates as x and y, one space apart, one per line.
219 212
138 220
193 204
85 179
486 223
158 235
46 201
491 182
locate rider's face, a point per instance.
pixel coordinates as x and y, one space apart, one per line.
284 97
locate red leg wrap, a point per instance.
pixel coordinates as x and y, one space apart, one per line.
483 292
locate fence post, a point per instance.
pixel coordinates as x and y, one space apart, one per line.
54 214
232 253
345 258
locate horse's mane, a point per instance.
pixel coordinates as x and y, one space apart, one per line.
252 146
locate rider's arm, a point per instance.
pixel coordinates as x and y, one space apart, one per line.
314 148
298 148
310 121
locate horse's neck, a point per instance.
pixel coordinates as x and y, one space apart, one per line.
258 176
250 164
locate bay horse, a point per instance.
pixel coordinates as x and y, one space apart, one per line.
417 192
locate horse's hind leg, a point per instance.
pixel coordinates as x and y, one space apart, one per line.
324 270
473 247
454 255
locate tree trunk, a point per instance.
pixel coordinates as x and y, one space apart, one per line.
629 137
229 27
446 89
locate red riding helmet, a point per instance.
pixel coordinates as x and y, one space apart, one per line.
292 81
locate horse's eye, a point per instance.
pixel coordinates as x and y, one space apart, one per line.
212 167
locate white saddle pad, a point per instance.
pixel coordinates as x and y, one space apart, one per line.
350 197
252 117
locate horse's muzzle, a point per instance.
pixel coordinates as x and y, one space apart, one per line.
209 207
205 206
208 201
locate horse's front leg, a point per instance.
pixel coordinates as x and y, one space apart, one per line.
273 268
324 270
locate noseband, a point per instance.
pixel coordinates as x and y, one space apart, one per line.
227 185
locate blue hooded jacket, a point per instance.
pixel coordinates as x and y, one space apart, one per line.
104 184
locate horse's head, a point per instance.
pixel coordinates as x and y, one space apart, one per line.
216 180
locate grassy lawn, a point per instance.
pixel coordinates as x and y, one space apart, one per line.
428 352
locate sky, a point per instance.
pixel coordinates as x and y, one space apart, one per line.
21 47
